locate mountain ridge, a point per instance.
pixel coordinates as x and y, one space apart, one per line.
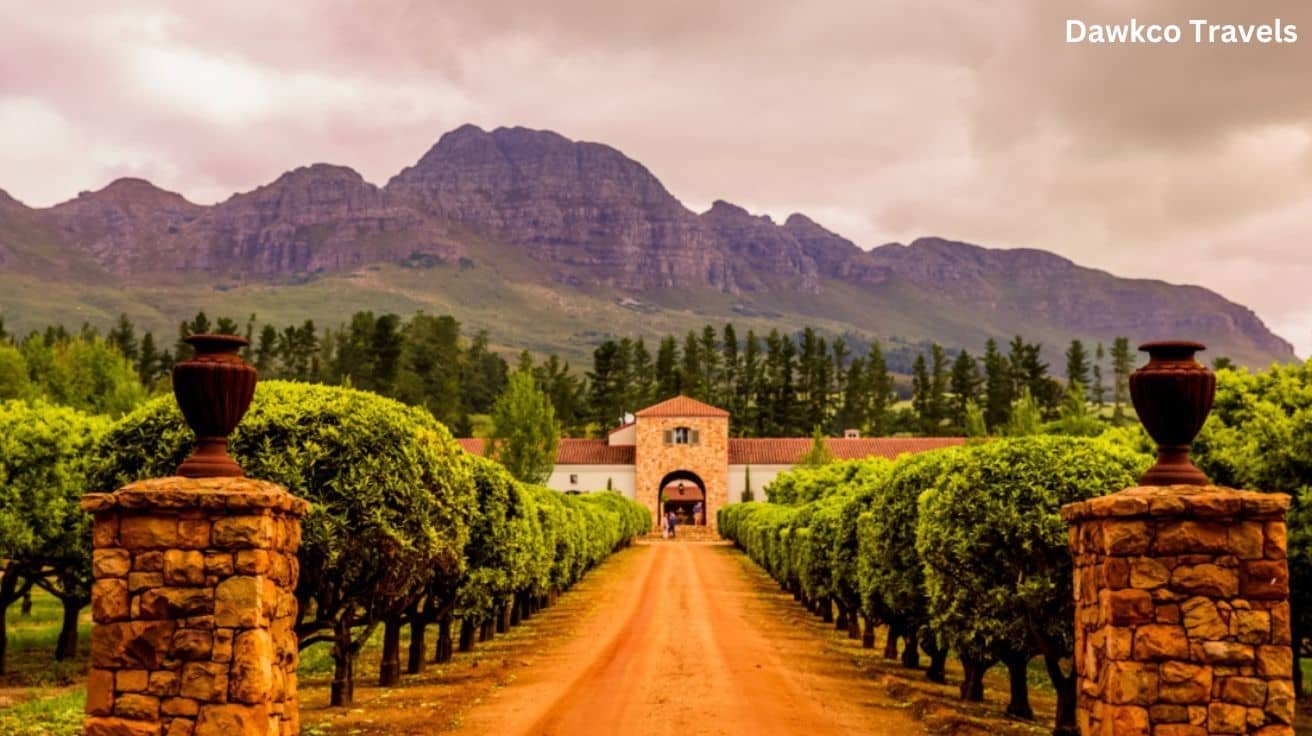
578 217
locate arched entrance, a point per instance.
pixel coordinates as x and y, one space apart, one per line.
684 493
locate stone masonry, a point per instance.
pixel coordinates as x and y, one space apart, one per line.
193 609
1182 623
708 459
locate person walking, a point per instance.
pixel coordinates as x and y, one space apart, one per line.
670 522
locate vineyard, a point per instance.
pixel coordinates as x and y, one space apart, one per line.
963 551
405 531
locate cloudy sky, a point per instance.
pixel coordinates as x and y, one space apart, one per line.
884 120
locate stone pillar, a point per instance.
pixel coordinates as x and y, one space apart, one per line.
194 609
1182 625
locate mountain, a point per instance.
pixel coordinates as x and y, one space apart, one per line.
552 243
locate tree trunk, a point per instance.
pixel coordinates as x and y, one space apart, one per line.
467 627
972 681
868 634
444 650
487 630
343 687
840 622
66 645
389 669
911 654
826 610
8 594
1018 678
1067 722
26 609
504 620
890 644
415 658
938 659
1299 685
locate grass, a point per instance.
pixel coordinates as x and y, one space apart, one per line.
39 696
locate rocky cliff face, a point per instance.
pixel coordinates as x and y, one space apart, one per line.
583 213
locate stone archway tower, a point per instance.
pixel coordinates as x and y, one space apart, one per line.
682 434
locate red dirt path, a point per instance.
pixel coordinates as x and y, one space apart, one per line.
688 642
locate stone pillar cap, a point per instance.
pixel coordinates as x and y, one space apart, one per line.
237 494
1180 500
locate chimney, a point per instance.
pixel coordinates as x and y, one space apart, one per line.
851 434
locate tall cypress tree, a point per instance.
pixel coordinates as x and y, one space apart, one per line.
879 386
1122 364
998 386
1099 391
965 386
1077 364
938 388
668 379
922 403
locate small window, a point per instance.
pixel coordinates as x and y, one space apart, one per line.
682 436
573 479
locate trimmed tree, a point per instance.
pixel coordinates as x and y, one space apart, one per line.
998 573
390 498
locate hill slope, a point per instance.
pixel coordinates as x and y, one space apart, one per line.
550 243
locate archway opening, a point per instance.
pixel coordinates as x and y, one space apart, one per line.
683 494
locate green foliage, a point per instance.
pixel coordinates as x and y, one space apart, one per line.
87 374
524 434
54 715
1026 417
806 483
1259 437
14 381
891 582
1074 418
390 491
819 454
994 547
974 425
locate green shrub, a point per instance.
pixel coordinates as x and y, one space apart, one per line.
998 572
391 495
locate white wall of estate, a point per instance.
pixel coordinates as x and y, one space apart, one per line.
589 478
761 475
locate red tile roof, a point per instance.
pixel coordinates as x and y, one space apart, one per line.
682 406
789 450
594 452
570 451
742 451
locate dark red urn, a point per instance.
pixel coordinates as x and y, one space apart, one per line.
1173 394
214 388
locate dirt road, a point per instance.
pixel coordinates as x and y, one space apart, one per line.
690 642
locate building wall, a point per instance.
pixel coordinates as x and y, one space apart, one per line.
709 459
761 476
593 478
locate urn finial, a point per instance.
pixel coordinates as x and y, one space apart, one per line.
1173 395
214 389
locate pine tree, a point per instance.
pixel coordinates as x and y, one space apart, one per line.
1099 391
921 402
606 387
731 368
691 368
998 386
1122 364
668 378
965 386
1077 364
124 338
709 349
879 385
266 352
748 389
938 388
148 365
643 391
